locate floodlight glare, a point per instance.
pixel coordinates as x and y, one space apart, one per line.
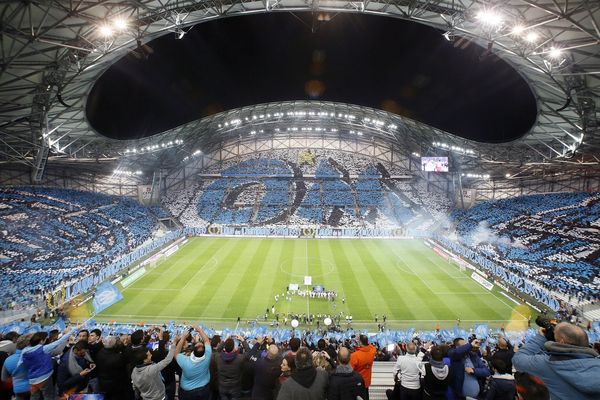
532 37
489 17
105 31
555 53
120 24
518 29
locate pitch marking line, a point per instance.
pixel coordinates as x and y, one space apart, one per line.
501 300
474 293
252 318
213 264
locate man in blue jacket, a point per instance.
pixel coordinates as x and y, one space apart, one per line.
568 366
458 354
17 374
37 358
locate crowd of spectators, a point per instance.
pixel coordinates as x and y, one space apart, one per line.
552 238
50 236
162 362
335 189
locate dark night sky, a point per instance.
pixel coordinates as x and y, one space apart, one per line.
384 63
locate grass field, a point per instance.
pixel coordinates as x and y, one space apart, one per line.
218 279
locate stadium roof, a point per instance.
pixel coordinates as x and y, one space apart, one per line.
53 52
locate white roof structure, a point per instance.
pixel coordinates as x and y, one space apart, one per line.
54 51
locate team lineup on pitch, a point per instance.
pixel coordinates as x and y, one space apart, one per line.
221 279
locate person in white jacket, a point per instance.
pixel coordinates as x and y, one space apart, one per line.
406 371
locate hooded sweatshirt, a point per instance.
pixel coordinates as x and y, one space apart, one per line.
305 384
435 379
569 372
146 378
346 384
501 387
229 365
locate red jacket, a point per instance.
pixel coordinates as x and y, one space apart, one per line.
362 362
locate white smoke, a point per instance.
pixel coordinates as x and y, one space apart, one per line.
483 234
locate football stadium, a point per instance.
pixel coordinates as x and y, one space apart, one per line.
300 199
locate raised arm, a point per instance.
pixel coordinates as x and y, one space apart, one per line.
59 345
203 335
180 343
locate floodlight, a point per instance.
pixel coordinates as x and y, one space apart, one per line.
105 30
120 24
518 29
489 17
532 37
555 52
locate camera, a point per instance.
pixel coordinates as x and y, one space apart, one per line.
548 324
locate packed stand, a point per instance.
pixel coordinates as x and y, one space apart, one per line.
51 236
309 189
558 361
552 238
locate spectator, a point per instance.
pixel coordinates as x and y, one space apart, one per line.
568 366
501 385
195 375
18 374
345 383
9 343
435 375
362 360
37 358
111 370
504 352
406 371
295 344
146 378
214 376
74 369
530 387
288 366
266 372
168 373
83 335
94 342
323 345
229 366
466 367
307 382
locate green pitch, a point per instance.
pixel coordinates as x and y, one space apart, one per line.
217 280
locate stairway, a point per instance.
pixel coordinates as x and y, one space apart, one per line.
381 379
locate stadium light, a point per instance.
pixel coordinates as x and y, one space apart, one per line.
105 31
555 52
120 24
518 30
489 17
532 37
